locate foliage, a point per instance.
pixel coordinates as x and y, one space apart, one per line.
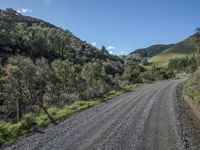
33 122
197 40
152 50
185 48
131 74
142 56
63 82
185 64
35 38
192 88
156 74
54 74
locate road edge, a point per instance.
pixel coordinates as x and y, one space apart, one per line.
189 122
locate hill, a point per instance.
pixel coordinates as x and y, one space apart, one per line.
181 49
28 36
140 55
54 74
152 50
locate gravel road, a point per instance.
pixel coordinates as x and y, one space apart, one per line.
148 118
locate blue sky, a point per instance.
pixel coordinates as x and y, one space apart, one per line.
120 25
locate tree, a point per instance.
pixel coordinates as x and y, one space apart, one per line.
198 29
113 67
96 80
63 82
27 82
91 73
183 64
60 41
8 34
131 74
104 50
197 40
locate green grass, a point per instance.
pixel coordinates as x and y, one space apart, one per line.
181 49
192 89
148 67
32 122
164 58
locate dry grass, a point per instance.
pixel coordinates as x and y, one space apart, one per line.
181 49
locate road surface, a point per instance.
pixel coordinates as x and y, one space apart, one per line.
148 118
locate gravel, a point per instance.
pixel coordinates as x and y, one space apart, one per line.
148 118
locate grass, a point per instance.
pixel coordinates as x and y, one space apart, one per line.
192 89
163 59
9 133
181 49
148 67
191 95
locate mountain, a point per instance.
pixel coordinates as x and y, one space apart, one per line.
35 38
181 49
140 55
152 50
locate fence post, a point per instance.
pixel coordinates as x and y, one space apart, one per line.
18 105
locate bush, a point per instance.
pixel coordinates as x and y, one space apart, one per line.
184 64
192 88
8 132
28 123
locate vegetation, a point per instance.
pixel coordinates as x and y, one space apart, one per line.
192 86
33 122
152 50
46 74
185 48
141 56
184 64
21 35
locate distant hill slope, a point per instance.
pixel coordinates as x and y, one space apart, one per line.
152 50
36 38
140 55
181 49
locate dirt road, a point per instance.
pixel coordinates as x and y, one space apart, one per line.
148 118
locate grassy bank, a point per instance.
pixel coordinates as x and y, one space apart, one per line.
192 89
30 123
192 94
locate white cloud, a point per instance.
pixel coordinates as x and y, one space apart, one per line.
94 43
47 2
110 52
24 10
110 47
122 52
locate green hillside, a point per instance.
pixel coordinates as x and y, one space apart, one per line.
181 49
138 56
152 50
35 38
